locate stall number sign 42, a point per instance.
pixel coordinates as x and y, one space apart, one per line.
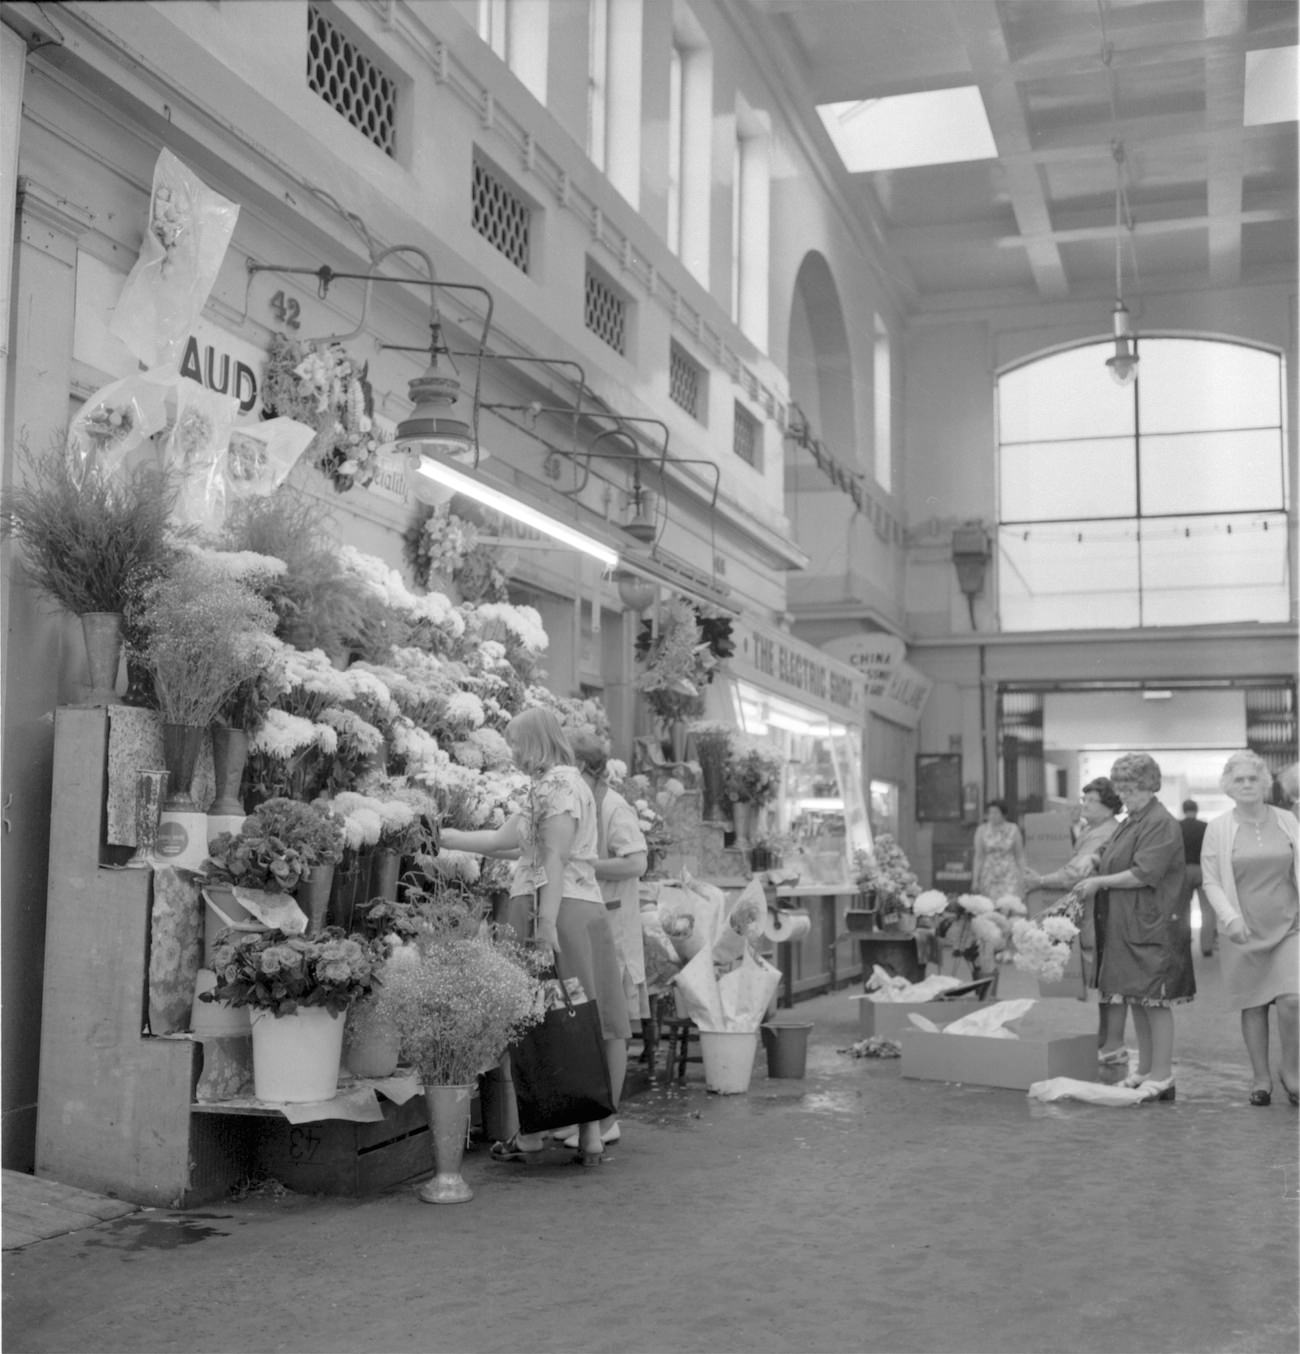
286 310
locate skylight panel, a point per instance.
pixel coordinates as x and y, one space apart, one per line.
1271 83
932 127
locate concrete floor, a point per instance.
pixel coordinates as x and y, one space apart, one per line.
853 1210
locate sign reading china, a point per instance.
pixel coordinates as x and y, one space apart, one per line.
790 667
895 690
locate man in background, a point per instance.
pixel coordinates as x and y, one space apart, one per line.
1193 836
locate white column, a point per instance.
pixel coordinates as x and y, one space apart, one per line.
528 32
755 236
623 99
697 159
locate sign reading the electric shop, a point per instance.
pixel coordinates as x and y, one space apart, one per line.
790 667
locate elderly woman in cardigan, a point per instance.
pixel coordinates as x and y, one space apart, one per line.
1146 961
1249 863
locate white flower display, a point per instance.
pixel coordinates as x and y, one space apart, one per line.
975 903
283 734
1011 906
930 903
465 708
524 622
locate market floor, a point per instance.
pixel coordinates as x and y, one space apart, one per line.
851 1211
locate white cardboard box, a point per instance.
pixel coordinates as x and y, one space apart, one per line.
1013 1063
888 1019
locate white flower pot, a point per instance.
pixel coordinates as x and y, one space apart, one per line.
296 1057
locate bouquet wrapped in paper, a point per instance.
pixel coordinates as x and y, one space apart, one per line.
693 915
733 1001
185 240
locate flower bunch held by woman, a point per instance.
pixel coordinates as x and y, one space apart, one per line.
555 898
278 846
1249 860
1142 912
1042 946
271 971
753 771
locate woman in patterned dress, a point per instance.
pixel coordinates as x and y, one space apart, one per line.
555 900
1248 860
999 866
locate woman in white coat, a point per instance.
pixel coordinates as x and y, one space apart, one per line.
1249 863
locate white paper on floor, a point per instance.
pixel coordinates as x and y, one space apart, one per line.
1096 1092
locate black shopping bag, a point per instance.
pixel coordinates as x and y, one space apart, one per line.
558 1067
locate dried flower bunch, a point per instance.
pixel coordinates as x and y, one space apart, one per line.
85 546
201 633
277 847
271 971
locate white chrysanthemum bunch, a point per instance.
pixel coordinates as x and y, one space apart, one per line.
493 746
244 565
1011 906
356 736
362 817
930 903
311 683
992 930
464 710
975 903
282 735
417 750
1042 946
523 622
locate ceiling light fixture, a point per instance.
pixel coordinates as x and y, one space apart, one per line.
461 481
1123 362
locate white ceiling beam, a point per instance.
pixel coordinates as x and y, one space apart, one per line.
980 26
1225 111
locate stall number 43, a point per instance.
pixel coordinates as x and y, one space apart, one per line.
285 309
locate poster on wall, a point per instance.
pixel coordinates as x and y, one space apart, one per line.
938 787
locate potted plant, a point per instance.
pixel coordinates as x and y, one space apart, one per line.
283 847
678 663
204 633
459 994
297 989
86 545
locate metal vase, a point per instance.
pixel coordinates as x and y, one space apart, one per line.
385 871
182 744
102 631
313 895
150 787
229 756
449 1127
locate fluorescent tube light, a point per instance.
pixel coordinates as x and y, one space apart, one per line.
462 483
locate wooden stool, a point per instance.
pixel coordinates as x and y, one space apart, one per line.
677 1032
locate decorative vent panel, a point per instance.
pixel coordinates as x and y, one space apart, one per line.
685 382
746 437
350 82
502 218
606 313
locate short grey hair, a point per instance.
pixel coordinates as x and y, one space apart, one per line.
1245 758
1137 768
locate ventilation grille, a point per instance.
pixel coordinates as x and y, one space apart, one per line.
350 82
606 313
685 382
500 217
746 436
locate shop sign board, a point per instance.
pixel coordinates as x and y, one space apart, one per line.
788 667
895 689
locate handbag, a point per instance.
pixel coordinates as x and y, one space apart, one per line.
558 1066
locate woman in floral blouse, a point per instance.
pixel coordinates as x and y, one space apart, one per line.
555 900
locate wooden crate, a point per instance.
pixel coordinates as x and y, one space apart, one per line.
336 1156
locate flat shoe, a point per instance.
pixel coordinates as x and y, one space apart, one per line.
1292 1096
1261 1097
1151 1091
510 1150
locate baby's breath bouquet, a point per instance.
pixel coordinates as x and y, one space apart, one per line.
459 994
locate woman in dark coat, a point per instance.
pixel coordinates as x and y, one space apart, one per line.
1138 887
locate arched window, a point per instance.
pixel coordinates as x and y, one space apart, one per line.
1159 503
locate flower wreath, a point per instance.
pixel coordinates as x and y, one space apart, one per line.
320 385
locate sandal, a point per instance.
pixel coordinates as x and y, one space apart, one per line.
1114 1057
585 1158
1292 1096
510 1150
1259 1097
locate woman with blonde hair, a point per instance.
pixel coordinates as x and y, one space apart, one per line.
1146 959
1248 860
555 900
